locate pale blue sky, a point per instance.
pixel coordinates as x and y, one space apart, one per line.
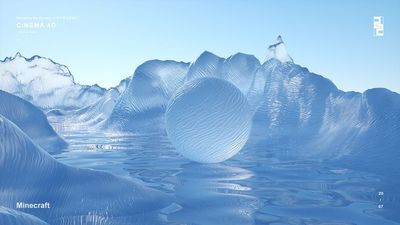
108 39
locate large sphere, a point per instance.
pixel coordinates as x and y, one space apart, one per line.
208 120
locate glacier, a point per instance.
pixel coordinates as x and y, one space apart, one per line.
154 83
307 114
238 69
99 111
45 83
142 105
93 115
90 194
31 120
292 107
242 70
278 51
278 134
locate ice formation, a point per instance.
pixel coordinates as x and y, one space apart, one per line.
142 105
30 174
123 84
208 120
45 83
99 111
93 115
14 217
31 120
278 51
238 69
309 115
292 107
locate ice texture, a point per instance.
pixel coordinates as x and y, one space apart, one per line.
97 112
45 83
142 105
308 115
30 174
123 84
239 69
14 217
208 120
31 120
278 51
292 107
92 116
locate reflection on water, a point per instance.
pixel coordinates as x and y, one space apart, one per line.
251 188
212 194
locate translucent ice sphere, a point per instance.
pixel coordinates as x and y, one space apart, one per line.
208 120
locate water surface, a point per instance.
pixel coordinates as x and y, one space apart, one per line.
251 188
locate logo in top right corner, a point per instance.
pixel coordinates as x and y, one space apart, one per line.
378 26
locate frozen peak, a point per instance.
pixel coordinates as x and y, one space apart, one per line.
279 40
278 51
207 55
18 55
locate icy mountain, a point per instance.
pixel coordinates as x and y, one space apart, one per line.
123 84
94 114
91 195
98 111
45 83
293 108
30 120
238 69
307 114
142 104
376 146
154 82
278 51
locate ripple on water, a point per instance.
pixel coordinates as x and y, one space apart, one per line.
251 188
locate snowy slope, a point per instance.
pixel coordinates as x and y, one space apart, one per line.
45 83
90 194
31 120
